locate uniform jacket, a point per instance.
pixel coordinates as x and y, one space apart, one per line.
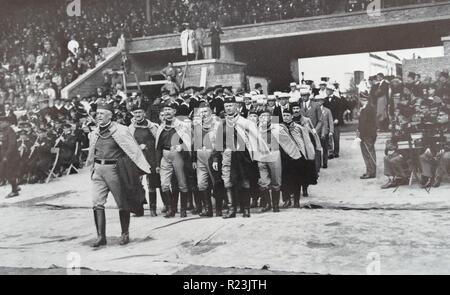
326 125
125 140
301 137
306 123
283 139
183 130
150 152
247 131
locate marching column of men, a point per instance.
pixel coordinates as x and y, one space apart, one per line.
235 150
225 147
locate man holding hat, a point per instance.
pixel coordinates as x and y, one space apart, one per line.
173 140
9 155
109 143
144 131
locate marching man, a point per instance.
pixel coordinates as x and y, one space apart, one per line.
144 132
108 143
279 141
239 144
204 142
173 139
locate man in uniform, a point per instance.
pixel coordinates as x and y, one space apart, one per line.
9 155
239 144
280 143
109 143
144 131
204 142
172 138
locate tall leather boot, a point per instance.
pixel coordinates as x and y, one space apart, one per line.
184 203
219 195
265 197
232 208
169 203
165 202
297 200
198 199
152 203
286 199
263 202
305 191
100 224
246 201
276 201
190 201
208 204
124 224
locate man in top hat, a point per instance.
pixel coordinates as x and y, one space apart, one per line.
337 107
173 140
109 143
9 155
144 131
325 128
367 133
239 145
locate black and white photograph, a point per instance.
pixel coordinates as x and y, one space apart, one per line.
237 138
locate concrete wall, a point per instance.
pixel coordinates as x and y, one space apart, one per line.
425 66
